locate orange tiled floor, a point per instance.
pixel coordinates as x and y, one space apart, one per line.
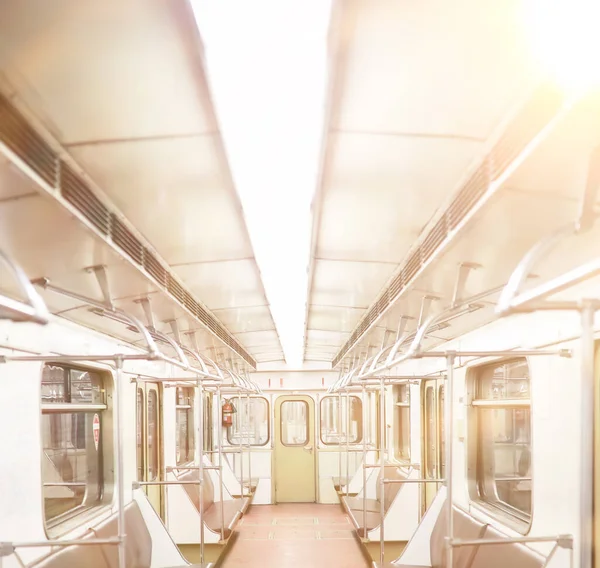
295 536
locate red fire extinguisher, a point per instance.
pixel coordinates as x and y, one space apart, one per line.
227 412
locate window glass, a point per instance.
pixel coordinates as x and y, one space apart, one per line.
184 419
402 419
139 430
72 435
336 425
430 432
503 414
294 422
207 415
250 422
153 441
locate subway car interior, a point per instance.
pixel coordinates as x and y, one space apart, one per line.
299 283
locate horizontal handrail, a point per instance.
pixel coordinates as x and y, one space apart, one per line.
34 309
389 481
563 540
138 484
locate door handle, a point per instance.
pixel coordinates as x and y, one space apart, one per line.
308 448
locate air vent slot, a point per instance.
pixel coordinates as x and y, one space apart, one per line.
126 240
155 268
26 143
541 108
83 199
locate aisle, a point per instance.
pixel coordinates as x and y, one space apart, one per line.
295 536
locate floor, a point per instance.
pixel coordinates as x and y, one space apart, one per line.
295 536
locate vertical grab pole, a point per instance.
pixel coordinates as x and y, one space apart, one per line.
200 452
339 421
119 477
220 459
240 430
448 404
364 487
347 443
382 449
587 426
249 444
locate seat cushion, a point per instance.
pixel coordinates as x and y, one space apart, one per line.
231 512
356 504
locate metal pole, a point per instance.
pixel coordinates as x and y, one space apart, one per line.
587 427
249 444
347 444
382 448
339 421
220 458
448 403
119 477
200 452
364 489
241 445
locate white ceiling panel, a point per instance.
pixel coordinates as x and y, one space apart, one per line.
334 318
176 192
122 61
258 339
239 320
436 67
224 284
381 190
343 283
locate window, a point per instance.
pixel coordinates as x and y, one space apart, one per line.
294 422
442 423
250 422
502 411
73 405
184 424
402 420
430 433
340 423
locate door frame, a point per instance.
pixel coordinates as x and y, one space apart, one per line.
275 433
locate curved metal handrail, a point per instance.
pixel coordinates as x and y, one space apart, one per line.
183 360
34 310
523 269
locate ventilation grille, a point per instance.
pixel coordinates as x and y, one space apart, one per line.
529 121
33 150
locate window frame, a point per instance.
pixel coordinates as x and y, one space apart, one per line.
267 414
480 488
307 423
70 519
360 431
189 395
400 406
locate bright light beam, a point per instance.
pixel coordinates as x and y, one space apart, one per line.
565 40
267 66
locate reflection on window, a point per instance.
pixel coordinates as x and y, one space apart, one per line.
430 433
341 424
72 439
184 438
503 414
153 433
402 421
294 422
207 415
250 422
442 423
139 431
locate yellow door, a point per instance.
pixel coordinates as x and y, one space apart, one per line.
149 440
433 438
596 520
295 450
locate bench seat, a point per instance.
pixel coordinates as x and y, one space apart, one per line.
233 509
515 555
